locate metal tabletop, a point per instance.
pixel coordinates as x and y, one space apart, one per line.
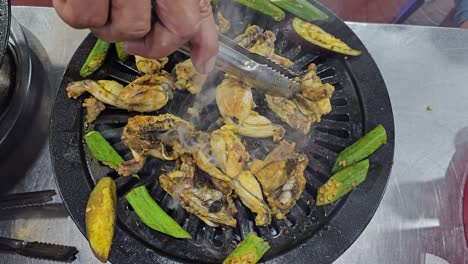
420 217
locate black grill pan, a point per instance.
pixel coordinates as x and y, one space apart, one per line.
322 234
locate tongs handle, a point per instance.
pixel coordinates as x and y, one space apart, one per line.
8 245
26 199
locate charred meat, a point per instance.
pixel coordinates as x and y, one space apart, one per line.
281 176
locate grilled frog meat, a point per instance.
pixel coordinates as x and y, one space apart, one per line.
249 191
147 136
76 89
229 152
149 66
307 107
208 204
250 35
281 176
314 109
148 93
93 108
262 43
265 46
188 78
234 100
289 113
314 99
257 126
312 87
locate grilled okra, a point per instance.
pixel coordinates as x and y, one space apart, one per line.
342 182
152 215
95 59
361 149
102 150
249 251
121 54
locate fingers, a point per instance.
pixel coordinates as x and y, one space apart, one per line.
197 26
205 45
83 13
160 42
129 20
179 21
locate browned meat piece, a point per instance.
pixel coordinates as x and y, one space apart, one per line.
148 93
281 175
210 205
93 108
149 66
265 46
250 35
290 113
234 100
188 78
313 88
152 136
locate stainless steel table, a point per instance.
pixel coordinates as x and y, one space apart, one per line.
419 219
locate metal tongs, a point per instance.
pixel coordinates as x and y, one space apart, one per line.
253 69
33 249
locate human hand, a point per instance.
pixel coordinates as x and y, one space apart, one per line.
180 21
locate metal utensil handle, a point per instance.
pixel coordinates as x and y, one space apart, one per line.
9 245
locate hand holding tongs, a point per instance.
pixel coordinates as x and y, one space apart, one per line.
253 69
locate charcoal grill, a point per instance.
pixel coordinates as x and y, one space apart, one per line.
321 234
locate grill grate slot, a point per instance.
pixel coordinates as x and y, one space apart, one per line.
338 102
337 117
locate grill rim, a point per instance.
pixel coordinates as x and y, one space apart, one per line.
345 226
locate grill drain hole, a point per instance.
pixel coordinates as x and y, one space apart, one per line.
338 86
330 146
338 101
335 132
337 117
326 73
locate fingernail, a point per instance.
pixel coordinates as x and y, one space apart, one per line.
208 65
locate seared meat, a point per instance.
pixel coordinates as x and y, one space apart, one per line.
262 43
76 89
93 108
209 204
152 136
313 88
281 175
148 93
314 109
250 35
289 113
149 66
229 152
307 107
257 126
315 98
250 193
265 46
234 100
188 78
